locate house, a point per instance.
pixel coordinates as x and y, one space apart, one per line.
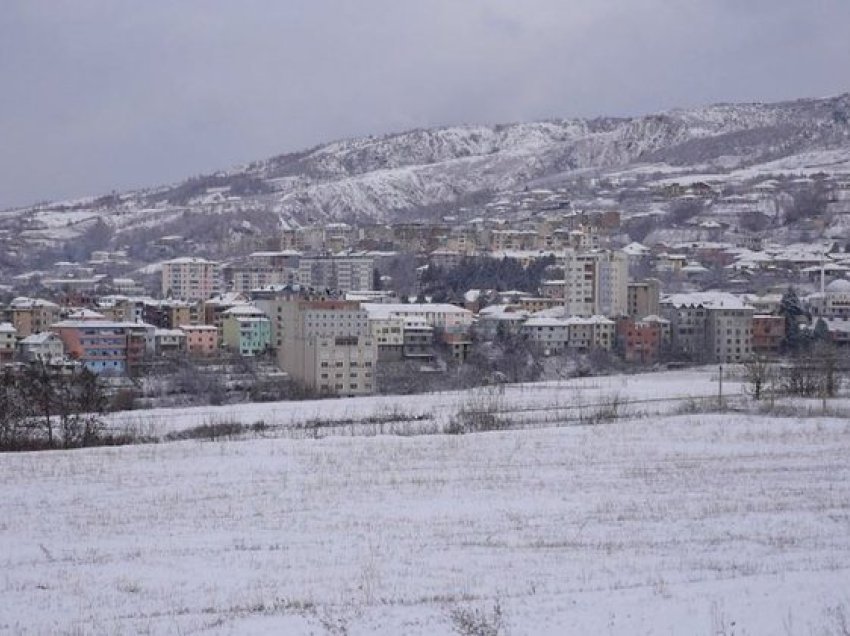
45 347
8 341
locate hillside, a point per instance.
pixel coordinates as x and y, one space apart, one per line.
423 173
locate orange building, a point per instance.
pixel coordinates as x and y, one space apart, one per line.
201 340
768 333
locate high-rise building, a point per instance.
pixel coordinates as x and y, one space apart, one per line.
595 283
191 278
328 345
340 273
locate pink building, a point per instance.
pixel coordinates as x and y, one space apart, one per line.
201 340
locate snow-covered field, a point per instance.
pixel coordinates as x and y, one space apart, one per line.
540 403
673 524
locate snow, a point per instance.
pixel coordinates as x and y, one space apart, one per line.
698 524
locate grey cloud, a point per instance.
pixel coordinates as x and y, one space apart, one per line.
103 94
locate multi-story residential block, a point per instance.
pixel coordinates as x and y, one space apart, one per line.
123 308
768 333
642 340
443 317
262 269
191 278
643 298
328 345
506 240
341 273
246 330
201 340
100 345
388 334
8 341
551 335
595 283
418 339
170 313
710 326
32 315
592 332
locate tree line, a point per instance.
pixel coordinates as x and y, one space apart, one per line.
45 408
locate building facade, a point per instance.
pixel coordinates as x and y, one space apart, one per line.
191 278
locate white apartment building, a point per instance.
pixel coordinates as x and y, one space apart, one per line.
596 283
191 278
328 345
443 316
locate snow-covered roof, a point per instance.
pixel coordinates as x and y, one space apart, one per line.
655 318
7 327
22 302
636 249
244 309
183 260
39 338
387 309
169 333
591 320
839 285
85 314
543 321
709 299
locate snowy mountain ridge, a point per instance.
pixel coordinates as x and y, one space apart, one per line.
403 175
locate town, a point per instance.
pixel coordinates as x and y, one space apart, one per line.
342 309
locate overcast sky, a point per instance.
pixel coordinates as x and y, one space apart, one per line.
97 95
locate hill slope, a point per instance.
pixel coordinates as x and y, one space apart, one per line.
411 173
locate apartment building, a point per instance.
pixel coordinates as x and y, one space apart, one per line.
768 333
32 315
262 269
100 345
440 316
643 298
246 330
595 283
642 340
710 326
341 273
591 332
191 278
549 334
201 340
170 313
328 345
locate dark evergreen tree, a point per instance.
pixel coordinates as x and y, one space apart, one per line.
792 310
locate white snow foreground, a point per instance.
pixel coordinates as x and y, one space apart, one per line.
686 524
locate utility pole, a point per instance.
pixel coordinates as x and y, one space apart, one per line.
720 388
